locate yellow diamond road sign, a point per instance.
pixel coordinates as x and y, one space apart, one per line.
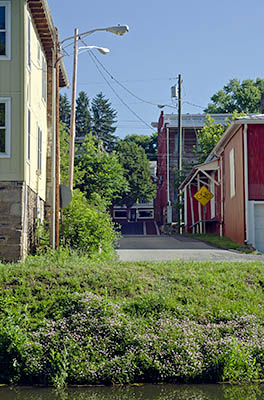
203 195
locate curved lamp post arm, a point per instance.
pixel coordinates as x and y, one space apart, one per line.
117 30
102 50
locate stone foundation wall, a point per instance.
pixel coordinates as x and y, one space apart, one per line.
19 209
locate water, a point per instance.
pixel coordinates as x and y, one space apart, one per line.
138 392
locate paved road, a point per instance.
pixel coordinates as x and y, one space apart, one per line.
168 248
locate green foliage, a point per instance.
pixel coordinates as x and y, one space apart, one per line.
88 227
103 119
65 110
64 153
238 96
210 134
99 172
223 242
65 319
83 115
149 143
137 172
208 137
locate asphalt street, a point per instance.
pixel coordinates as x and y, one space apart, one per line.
170 248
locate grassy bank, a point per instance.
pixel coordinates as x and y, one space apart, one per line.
65 319
222 242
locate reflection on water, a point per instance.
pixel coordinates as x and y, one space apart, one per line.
144 392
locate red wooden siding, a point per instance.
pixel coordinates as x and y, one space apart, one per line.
234 208
256 162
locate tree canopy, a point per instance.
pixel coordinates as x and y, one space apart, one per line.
83 115
237 96
99 172
137 172
210 134
103 120
148 143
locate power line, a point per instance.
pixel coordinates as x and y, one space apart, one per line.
92 56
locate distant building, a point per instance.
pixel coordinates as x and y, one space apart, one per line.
139 211
168 157
27 117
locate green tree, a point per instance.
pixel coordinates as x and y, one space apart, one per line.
83 115
237 96
64 153
137 172
148 143
65 110
103 119
99 172
210 134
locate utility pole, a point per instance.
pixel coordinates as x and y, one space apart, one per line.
180 147
73 112
57 163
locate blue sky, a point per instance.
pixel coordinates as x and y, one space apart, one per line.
207 42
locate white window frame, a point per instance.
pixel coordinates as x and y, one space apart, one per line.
39 151
116 217
29 42
232 173
7 30
44 79
146 210
7 102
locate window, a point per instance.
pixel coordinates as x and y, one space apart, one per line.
28 133
232 173
28 42
5 30
44 79
4 127
39 165
120 214
145 214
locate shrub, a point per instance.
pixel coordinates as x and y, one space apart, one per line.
88 227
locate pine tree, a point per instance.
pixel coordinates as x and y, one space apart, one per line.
65 110
103 119
83 116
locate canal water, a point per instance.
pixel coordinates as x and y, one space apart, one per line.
138 392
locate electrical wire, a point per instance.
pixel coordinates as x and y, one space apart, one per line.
90 53
120 84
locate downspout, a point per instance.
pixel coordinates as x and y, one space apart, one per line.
53 224
199 205
246 179
168 166
222 196
169 216
24 221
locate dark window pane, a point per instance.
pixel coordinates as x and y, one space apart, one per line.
2 140
2 44
2 18
2 114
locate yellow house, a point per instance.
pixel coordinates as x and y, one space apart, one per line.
27 119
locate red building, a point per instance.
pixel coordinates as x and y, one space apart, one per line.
167 188
234 173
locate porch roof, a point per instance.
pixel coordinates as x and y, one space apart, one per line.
203 168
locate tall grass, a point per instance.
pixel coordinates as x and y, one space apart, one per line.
67 319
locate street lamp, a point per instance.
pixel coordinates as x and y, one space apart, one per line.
117 30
